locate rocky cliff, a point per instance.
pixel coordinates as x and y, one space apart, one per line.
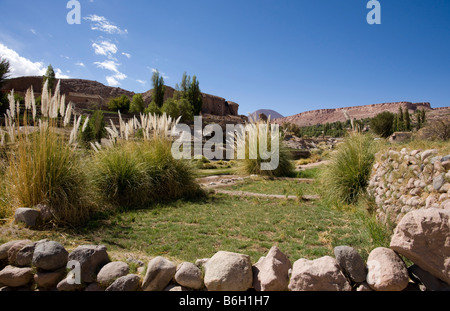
86 94
358 112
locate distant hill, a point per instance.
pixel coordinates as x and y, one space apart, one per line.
269 113
90 95
323 116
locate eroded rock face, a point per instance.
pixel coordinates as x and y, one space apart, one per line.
271 273
423 236
227 271
322 274
386 271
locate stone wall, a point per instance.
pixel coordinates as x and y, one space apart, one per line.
409 180
421 236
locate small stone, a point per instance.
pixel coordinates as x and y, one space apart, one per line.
4 248
127 283
227 271
16 277
271 273
91 258
49 256
351 263
48 279
189 275
438 182
112 271
28 216
201 262
160 272
323 274
12 252
24 256
386 271
65 286
426 154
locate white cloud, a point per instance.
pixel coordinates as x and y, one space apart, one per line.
60 75
105 48
141 82
33 31
21 66
102 24
80 64
127 55
113 67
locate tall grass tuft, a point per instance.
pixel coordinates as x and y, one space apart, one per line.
253 165
43 168
347 174
136 174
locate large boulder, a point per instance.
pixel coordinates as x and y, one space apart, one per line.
271 273
189 275
49 256
16 277
386 270
112 271
160 272
91 258
351 263
322 274
423 236
227 271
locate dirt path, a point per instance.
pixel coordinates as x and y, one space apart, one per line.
311 165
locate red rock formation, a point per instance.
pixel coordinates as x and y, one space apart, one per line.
358 112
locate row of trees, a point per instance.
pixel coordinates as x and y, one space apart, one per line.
386 123
186 102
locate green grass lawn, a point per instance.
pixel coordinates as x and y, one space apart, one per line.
185 231
278 187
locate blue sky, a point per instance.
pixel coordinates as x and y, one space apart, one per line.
290 56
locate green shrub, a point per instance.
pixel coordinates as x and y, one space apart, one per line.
95 129
347 174
136 174
137 104
153 109
121 104
170 107
383 124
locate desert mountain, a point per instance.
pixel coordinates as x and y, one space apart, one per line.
357 112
